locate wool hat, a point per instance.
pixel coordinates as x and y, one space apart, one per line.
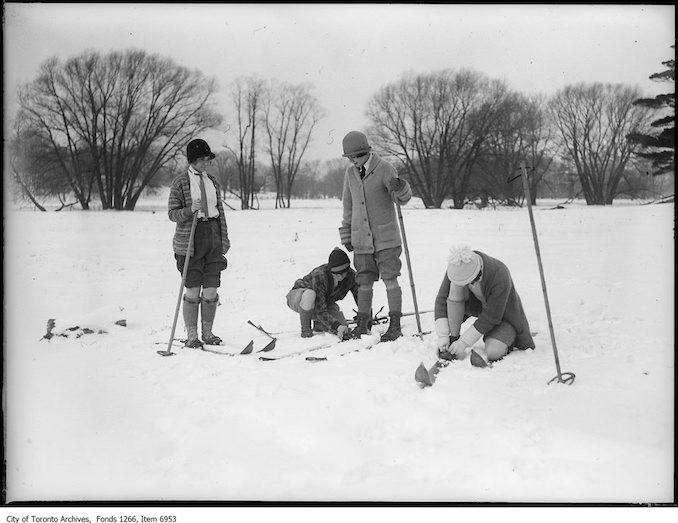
355 143
463 265
197 149
338 261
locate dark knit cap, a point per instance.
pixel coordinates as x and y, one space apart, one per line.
197 149
338 261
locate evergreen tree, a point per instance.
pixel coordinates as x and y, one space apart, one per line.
660 148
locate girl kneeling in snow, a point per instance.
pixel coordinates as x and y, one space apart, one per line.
477 285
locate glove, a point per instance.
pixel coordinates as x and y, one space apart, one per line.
344 332
458 349
444 343
395 184
349 247
195 205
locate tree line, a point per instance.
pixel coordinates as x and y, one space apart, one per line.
112 126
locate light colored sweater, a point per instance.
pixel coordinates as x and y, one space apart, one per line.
369 218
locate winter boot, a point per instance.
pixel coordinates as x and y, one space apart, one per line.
362 325
393 332
318 327
190 310
305 319
208 310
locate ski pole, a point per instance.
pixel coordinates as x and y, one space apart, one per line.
409 268
566 377
169 352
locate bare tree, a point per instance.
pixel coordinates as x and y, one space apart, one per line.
226 172
436 125
247 96
23 168
331 181
290 115
593 122
114 121
520 132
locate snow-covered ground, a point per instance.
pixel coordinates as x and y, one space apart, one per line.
101 416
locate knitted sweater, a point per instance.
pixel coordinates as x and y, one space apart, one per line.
369 219
179 211
502 302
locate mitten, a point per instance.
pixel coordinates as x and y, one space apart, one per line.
395 184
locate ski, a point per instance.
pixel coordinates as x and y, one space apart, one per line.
324 358
376 320
271 344
427 377
368 347
205 348
300 352
247 350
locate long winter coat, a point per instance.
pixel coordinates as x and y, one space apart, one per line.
502 302
179 211
369 219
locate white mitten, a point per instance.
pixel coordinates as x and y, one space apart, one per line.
443 332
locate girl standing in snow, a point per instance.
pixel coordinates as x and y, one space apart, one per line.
196 191
477 285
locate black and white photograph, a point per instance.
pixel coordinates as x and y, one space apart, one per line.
337 256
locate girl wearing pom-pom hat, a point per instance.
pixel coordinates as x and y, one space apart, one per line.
478 285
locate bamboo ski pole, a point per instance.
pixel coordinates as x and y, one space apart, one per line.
169 352
566 377
409 269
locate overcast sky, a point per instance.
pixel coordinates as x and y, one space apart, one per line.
349 51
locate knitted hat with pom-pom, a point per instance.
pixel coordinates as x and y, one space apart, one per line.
463 265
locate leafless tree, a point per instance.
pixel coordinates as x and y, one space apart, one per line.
225 169
247 95
593 121
436 125
520 133
290 115
23 167
331 181
114 121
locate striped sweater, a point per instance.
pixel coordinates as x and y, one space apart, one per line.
179 211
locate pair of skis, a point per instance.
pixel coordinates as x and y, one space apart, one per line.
427 377
249 348
313 349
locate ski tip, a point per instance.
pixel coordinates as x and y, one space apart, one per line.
249 348
477 360
422 376
269 347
